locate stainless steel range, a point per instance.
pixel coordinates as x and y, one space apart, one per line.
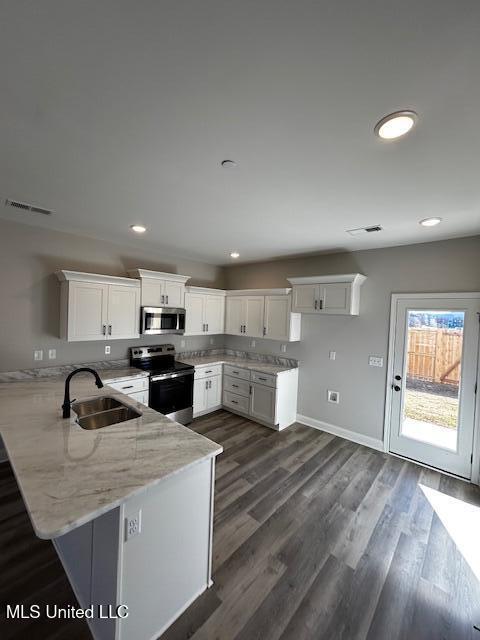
171 382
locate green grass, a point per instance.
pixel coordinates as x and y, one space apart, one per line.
428 407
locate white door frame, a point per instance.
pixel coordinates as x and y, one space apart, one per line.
389 393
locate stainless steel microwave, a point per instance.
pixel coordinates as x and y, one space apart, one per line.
156 320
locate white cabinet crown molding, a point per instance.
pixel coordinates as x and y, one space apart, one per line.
158 275
259 292
205 290
354 278
80 276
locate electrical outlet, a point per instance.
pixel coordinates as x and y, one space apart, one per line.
182 343
133 525
283 348
333 396
375 361
38 354
108 349
253 343
332 355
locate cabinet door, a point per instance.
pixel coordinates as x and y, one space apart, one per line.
305 298
123 312
199 395
152 291
277 317
254 315
194 314
334 298
140 396
174 294
214 314
262 403
87 311
235 319
214 391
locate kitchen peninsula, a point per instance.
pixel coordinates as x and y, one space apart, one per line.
129 506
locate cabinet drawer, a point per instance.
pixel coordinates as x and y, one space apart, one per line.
130 385
240 403
264 378
207 371
236 372
236 385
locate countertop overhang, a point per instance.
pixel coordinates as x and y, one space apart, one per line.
69 476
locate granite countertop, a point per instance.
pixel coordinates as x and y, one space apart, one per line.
244 363
69 476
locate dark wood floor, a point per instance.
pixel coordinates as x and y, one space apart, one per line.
314 537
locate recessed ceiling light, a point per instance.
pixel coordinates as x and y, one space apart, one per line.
228 164
234 254
430 222
138 228
395 124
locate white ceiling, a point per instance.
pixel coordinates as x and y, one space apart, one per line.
116 112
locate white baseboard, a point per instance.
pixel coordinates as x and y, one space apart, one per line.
359 438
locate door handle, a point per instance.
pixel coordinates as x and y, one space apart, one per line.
316 304
207 327
109 329
396 387
104 329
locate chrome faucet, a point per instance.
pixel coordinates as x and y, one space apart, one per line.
66 399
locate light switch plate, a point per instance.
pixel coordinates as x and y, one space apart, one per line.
52 354
283 348
375 361
38 354
182 343
253 343
332 355
108 349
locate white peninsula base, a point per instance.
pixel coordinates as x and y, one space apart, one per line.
156 573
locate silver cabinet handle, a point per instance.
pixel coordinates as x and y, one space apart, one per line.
235 386
209 371
236 372
166 299
320 304
109 329
234 402
104 329
264 379
130 386
264 331
316 304
162 299
206 384
207 326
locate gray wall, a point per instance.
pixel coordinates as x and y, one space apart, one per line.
434 267
29 292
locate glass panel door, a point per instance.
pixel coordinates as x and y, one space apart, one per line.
434 377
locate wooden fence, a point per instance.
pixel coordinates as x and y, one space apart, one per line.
435 354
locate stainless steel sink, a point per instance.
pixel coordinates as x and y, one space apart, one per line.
102 412
87 407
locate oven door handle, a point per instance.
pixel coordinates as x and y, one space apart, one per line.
169 376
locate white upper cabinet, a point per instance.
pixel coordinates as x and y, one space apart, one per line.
280 323
160 289
204 311
261 313
98 307
334 295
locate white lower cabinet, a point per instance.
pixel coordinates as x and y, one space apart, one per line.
135 387
262 403
207 390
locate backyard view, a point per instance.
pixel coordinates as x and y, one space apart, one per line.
434 353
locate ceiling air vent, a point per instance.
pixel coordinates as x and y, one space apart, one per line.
24 206
360 230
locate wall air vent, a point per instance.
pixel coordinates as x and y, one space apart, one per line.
371 229
24 206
